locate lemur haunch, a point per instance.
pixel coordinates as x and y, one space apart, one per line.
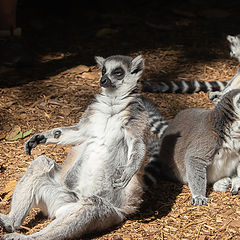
100 183
199 147
194 86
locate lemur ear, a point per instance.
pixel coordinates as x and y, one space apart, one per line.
234 46
137 65
99 60
235 82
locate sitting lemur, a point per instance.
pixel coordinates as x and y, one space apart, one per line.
100 182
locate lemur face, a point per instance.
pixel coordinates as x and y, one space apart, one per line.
116 70
235 46
112 74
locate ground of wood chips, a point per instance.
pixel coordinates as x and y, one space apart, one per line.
178 43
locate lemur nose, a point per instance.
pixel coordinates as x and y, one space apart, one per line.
105 82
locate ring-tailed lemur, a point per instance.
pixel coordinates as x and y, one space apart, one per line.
199 147
100 183
157 162
195 86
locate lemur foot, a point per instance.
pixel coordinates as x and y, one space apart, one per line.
6 223
200 200
222 185
16 236
235 185
33 142
122 182
121 178
42 165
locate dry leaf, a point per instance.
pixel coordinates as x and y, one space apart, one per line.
14 131
8 190
21 135
90 75
2 136
82 68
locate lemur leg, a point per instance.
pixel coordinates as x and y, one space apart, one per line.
235 185
65 135
76 219
222 185
236 182
38 187
136 155
197 180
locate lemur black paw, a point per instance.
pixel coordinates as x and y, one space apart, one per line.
57 134
200 200
119 183
33 142
121 177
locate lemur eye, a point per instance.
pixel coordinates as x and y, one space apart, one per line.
103 70
118 72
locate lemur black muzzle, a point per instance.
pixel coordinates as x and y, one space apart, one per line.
105 82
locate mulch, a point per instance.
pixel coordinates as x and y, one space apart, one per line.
57 91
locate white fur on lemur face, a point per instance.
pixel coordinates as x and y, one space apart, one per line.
236 104
120 72
235 46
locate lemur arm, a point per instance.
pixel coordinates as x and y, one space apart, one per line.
136 155
234 83
196 169
64 135
70 135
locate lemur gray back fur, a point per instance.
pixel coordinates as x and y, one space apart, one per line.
200 146
100 182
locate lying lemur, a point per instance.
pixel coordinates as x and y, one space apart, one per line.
201 146
100 183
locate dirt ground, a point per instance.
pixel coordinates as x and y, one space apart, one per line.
178 42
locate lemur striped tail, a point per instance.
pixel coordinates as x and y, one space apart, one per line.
152 170
157 122
182 86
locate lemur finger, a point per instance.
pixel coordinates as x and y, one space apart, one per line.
121 182
33 142
200 200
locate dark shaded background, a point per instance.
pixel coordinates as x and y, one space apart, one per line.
82 29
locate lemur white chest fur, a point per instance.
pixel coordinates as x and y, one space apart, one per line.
228 157
104 142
